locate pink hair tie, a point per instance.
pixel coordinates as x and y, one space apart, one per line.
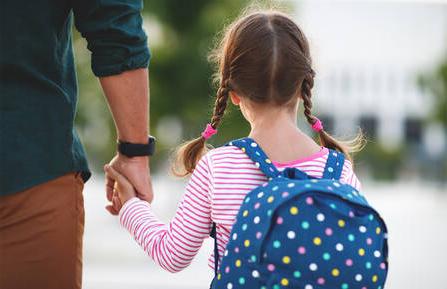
318 125
209 131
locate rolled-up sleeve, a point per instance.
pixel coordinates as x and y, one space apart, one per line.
114 33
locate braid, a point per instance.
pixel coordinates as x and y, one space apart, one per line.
189 153
326 139
306 93
221 103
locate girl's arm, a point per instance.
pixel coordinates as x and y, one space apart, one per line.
173 245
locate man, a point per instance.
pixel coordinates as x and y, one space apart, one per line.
43 165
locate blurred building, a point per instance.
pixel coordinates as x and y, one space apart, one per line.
368 56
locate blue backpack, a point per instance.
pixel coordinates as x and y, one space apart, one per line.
301 232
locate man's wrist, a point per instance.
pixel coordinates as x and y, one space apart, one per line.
137 149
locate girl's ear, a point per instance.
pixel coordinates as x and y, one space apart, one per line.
235 99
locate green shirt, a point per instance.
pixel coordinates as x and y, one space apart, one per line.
38 87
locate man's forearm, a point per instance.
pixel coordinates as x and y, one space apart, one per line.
128 97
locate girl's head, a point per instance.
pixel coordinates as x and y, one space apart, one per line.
263 59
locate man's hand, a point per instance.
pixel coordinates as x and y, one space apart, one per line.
136 170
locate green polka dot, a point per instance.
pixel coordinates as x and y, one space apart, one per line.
247 200
276 286
371 217
326 256
297 274
269 213
344 286
276 244
242 280
351 237
305 225
263 287
244 227
333 206
368 265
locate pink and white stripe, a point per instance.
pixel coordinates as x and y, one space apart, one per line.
214 194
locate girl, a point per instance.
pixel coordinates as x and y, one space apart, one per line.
265 69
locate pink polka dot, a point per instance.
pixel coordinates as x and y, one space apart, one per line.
258 235
271 267
309 200
349 262
236 249
382 266
369 241
227 269
330 188
285 194
328 231
321 281
279 220
364 288
257 205
302 250
351 214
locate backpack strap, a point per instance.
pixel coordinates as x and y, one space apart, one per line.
257 155
213 234
334 165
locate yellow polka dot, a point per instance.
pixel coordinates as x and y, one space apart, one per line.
238 263
268 161
335 272
317 241
284 282
245 213
247 243
293 210
341 223
361 251
243 149
270 199
219 276
378 230
375 278
286 259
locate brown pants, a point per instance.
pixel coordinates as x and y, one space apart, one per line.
41 233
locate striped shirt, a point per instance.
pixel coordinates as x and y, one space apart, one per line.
214 193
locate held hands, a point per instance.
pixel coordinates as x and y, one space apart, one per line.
127 178
122 188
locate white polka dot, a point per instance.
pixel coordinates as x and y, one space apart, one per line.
260 194
291 185
229 286
226 253
313 267
291 234
362 229
234 236
308 286
253 144
377 254
256 220
320 217
257 164
255 274
339 247
275 188
358 277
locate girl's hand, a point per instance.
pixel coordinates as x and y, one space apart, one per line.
123 189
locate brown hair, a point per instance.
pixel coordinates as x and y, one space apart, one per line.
264 57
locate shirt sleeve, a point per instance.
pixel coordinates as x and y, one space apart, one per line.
114 33
349 177
173 246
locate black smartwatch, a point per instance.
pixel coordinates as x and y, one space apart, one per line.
136 149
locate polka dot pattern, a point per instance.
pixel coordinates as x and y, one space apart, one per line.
304 234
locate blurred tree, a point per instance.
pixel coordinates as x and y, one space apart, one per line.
180 76
436 84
